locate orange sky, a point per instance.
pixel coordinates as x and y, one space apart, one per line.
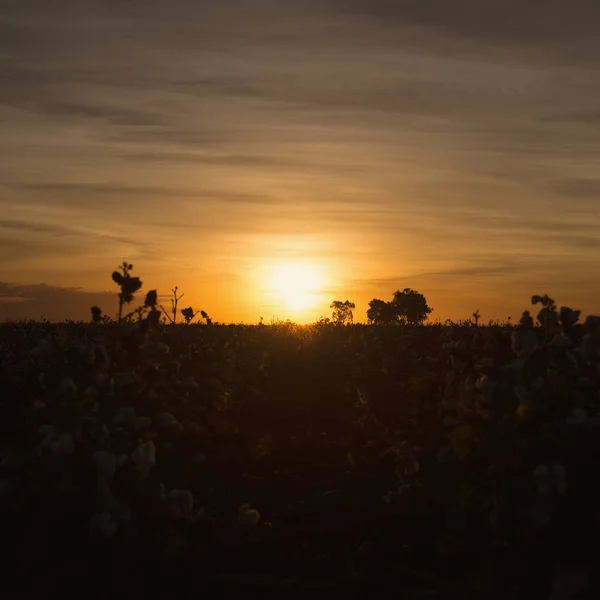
386 145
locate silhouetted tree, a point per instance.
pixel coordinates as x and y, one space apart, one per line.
411 306
342 312
407 306
381 312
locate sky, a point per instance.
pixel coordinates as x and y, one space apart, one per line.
358 146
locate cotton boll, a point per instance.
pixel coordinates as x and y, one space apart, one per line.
102 525
165 420
64 445
90 394
49 433
578 417
194 429
104 497
141 424
122 380
524 342
38 406
145 453
199 459
181 503
487 387
559 474
155 349
560 341
42 352
145 458
247 516
544 483
590 346
106 463
125 414
67 387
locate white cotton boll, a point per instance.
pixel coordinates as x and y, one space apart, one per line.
7 488
48 432
560 478
145 454
145 458
522 394
247 516
541 471
560 341
141 424
102 525
125 414
487 362
38 406
194 429
106 463
199 459
524 342
101 380
445 407
42 351
165 420
104 497
64 445
181 503
155 349
578 417
404 489
590 346
487 387
90 394
67 387
122 380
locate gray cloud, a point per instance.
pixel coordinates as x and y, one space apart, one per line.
50 302
431 132
577 188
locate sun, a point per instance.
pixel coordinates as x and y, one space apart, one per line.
296 285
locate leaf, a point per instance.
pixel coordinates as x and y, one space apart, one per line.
350 458
461 441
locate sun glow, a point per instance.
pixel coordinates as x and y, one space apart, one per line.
298 286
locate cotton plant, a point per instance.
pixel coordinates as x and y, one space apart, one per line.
247 516
106 465
524 340
144 457
487 388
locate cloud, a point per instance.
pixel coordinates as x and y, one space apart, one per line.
50 302
455 140
577 188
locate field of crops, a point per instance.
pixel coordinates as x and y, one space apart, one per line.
422 462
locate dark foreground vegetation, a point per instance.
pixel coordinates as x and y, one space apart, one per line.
417 461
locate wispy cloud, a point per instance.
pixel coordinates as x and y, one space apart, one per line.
455 140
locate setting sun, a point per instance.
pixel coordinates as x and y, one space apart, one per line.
296 285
